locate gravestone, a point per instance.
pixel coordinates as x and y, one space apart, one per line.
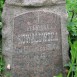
37 45
35 38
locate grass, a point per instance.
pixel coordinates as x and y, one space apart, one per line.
71 6
1 55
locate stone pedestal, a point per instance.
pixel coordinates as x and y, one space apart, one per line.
35 40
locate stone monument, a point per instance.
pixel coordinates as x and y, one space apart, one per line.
35 40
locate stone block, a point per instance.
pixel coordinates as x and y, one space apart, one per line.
35 40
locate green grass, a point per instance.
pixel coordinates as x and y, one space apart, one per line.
2 63
71 6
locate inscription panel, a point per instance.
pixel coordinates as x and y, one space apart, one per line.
37 45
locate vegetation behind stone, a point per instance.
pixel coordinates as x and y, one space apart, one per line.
1 56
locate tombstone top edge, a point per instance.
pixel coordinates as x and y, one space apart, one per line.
34 2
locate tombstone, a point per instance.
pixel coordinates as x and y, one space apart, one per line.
35 40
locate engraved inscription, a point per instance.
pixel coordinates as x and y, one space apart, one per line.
37 37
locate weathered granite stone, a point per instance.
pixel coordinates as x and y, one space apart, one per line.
37 44
34 2
35 40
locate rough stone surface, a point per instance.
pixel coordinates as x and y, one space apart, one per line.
37 45
34 2
28 40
